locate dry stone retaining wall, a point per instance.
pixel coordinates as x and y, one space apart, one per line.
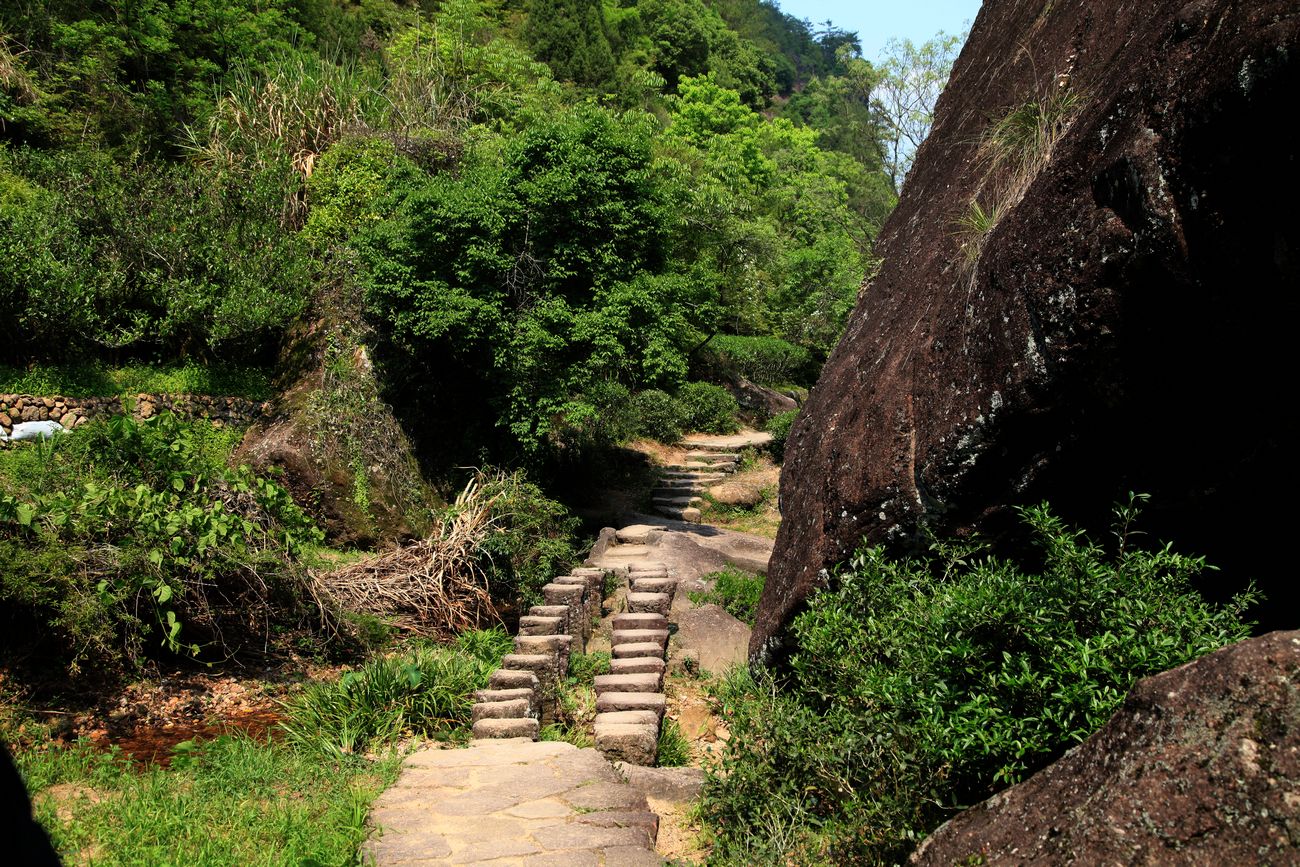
72 412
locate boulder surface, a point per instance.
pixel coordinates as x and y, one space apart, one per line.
1200 765
1115 316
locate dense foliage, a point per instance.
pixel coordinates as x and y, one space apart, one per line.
546 202
945 679
132 532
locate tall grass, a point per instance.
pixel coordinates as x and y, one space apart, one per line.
427 690
229 801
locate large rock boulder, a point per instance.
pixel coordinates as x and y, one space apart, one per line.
1200 765
1123 325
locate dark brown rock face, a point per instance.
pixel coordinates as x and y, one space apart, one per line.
1127 324
1200 765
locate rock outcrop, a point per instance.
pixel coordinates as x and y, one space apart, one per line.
1115 314
1200 765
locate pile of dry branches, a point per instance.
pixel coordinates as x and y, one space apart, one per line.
436 586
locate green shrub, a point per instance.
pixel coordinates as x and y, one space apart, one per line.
764 360
141 530
659 416
947 678
708 408
735 590
427 690
534 538
779 427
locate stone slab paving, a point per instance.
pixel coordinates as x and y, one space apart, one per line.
512 802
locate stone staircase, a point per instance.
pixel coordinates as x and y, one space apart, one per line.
677 493
630 699
521 695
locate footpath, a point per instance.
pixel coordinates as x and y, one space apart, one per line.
509 799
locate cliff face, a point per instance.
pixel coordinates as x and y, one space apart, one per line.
1121 326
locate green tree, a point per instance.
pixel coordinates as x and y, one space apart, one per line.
571 37
913 77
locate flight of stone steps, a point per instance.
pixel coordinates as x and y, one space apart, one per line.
630 699
522 694
677 494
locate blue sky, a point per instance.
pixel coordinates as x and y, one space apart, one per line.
877 22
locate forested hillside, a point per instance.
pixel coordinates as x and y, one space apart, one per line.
539 208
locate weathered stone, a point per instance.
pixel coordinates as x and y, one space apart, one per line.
505 678
638 665
524 727
1132 273
612 701
639 636
512 709
636 744
1200 765
494 695
643 648
626 683
720 640
627 717
656 603
530 625
679 785
639 621
667 586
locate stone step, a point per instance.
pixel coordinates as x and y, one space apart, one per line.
690 513
701 469
641 648
543 665
576 580
647 566
517 708
532 625
639 621
639 665
657 603
677 502
639 636
527 727
733 457
691 476
628 717
510 678
563 594
633 744
491 695
560 611
651 701
756 440
557 645
622 683
654 585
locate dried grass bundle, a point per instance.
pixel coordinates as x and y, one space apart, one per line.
436 586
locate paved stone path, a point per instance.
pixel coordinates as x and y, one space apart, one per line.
513 802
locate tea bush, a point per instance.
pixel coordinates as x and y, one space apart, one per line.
659 416
708 408
946 678
779 427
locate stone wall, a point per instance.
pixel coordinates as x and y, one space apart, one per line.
72 412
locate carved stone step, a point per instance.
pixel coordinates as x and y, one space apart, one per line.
634 744
514 709
651 701
657 603
643 648
626 683
619 637
527 727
